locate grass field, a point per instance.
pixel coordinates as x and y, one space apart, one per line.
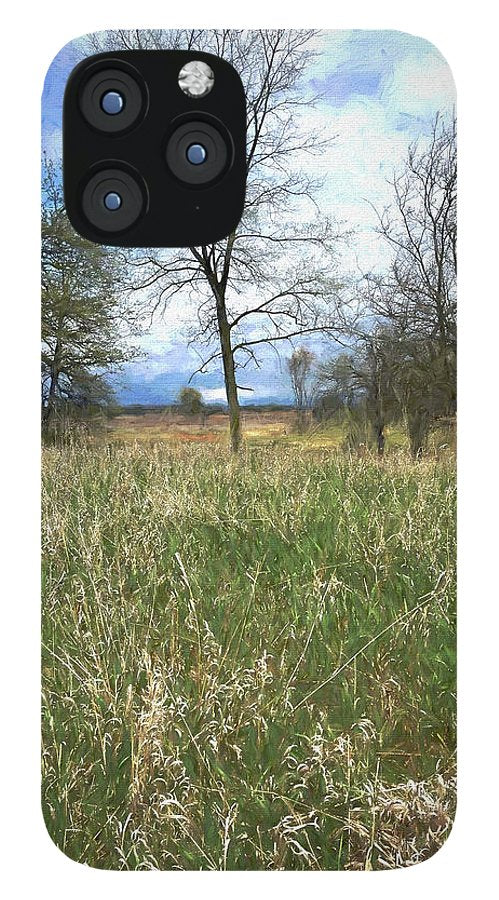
247 664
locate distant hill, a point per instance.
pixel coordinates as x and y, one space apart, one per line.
163 389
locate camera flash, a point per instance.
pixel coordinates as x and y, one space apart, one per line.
196 78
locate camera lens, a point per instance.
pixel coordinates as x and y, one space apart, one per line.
113 200
112 100
197 153
112 103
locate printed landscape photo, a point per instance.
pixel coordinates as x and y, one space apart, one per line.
249 483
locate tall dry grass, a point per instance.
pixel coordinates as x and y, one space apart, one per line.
247 665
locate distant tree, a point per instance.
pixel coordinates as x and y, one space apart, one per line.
273 277
337 388
300 368
376 372
190 401
421 370
83 316
363 382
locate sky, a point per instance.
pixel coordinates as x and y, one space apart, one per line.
380 91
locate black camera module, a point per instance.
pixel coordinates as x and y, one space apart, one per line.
113 200
112 100
151 161
197 152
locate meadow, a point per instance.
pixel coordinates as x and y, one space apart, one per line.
247 663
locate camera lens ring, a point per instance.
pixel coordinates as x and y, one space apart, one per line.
109 81
218 153
118 216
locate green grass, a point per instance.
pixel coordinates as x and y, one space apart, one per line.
232 674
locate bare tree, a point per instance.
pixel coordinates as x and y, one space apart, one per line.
417 298
420 227
271 279
300 367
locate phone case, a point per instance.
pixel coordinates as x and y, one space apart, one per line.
248 647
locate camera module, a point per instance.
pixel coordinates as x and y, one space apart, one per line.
154 146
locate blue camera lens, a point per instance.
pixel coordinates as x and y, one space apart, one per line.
196 154
112 201
112 103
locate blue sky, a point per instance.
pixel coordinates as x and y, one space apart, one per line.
379 91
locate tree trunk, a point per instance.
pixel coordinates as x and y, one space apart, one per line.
219 287
380 439
230 379
378 419
300 419
54 377
418 421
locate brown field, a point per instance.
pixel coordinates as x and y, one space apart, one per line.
171 425
260 427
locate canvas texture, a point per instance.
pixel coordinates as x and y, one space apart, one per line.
248 594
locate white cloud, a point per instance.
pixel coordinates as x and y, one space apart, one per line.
422 82
213 395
